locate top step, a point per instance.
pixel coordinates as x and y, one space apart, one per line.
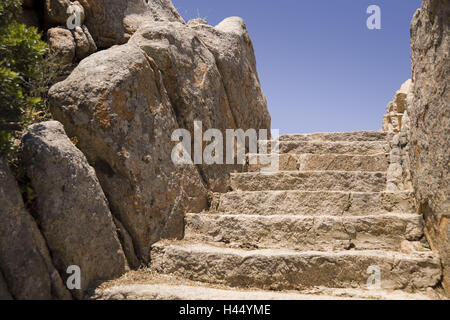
338 136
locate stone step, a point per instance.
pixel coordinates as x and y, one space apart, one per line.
338 136
311 180
314 162
313 203
163 291
290 270
347 147
305 233
325 147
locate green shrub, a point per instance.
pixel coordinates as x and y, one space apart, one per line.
22 80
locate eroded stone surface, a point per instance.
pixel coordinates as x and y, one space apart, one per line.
193 82
304 233
430 122
338 147
338 136
24 258
72 210
313 202
313 162
343 162
393 120
116 104
85 45
200 73
239 75
112 22
285 270
55 12
61 45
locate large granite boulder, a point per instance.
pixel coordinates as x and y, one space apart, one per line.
193 82
72 210
430 123
190 74
24 258
124 103
210 75
113 21
230 43
116 105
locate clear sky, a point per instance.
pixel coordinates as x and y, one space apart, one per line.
320 67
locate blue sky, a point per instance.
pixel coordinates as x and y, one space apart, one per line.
321 69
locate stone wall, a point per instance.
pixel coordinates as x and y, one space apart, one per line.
397 122
429 114
397 108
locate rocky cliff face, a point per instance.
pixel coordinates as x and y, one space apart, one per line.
396 122
116 105
124 103
25 261
72 210
114 21
101 204
430 122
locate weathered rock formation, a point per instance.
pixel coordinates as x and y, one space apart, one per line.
61 45
430 123
25 261
345 202
124 103
116 105
56 13
230 43
85 44
397 123
419 118
200 74
51 16
70 46
121 106
72 210
114 21
396 109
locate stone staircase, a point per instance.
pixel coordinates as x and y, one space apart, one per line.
315 227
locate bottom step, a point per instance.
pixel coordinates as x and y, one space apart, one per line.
291 270
184 292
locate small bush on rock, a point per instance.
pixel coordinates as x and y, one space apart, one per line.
23 69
